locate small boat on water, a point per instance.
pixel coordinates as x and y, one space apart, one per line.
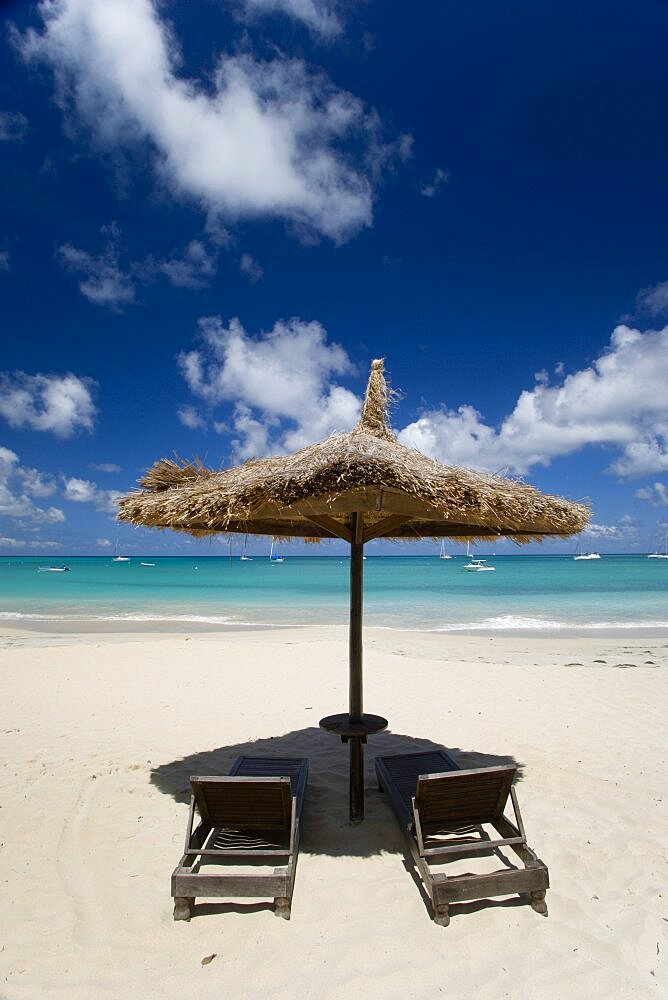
244 557
586 556
121 559
53 569
479 566
659 555
443 554
146 564
273 558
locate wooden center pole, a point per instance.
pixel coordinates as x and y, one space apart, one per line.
356 708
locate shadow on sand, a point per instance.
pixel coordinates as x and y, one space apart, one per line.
325 826
326 829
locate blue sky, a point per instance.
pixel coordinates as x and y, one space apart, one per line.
215 214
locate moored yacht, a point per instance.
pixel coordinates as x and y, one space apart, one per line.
479 566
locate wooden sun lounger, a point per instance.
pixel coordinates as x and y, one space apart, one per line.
441 810
249 818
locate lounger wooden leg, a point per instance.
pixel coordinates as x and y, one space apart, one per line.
282 907
183 907
442 914
538 901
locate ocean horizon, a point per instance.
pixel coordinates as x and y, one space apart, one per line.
528 593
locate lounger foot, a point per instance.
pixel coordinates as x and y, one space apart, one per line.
538 901
442 914
282 907
183 907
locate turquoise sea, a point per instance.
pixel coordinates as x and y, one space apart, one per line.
526 592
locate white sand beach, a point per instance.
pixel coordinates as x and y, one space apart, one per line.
100 733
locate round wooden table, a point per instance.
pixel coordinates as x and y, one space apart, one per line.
355 732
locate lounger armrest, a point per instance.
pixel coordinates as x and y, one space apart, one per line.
417 827
294 826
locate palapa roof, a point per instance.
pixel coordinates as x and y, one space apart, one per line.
312 493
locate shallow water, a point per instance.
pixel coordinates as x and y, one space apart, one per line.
525 592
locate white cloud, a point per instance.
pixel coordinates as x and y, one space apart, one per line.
36 484
33 543
104 282
438 180
18 485
193 268
5 260
656 494
60 404
320 16
654 301
105 467
84 491
263 139
279 383
103 543
13 126
603 531
80 490
191 419
620 401
250 267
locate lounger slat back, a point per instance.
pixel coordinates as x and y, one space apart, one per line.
294 768
244 803
461 798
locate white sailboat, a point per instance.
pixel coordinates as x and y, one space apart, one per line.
659 555
443 554
243 557
118 557
273 558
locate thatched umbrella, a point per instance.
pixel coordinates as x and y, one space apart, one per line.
357 486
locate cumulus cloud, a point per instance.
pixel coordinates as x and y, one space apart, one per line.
32 543
320 16
605 530
191 419
654 301
279 383
105 467
250 267
193 268
13 126
656 494
269 139
110 280
103 543
438 180
620 401
104 281
59 404
5 260
18 486
84 491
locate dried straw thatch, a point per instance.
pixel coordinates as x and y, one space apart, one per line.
312 493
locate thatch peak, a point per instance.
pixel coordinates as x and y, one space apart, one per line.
374 417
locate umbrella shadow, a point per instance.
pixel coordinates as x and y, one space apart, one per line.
325 826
